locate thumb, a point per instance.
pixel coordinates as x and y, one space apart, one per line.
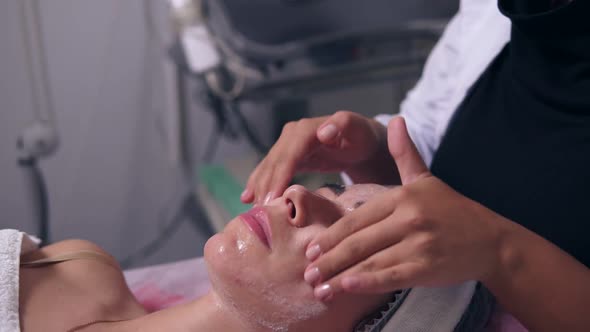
409 163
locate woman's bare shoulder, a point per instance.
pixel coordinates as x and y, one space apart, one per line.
63 247
93 289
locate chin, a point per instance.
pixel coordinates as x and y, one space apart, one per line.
224 259
216 249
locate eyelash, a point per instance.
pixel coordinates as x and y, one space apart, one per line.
337 188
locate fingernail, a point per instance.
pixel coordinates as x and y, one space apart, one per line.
323 292
313 252
350 282
245 193
312 275
328 132
267 198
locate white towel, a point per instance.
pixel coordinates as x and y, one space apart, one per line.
13 243
432 309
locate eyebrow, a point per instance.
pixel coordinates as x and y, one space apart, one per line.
336 188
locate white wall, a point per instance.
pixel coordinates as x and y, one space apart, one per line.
110 181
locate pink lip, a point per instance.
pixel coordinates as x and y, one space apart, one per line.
257 220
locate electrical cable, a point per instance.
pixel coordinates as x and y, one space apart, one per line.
232 64
44 226
40 196
24 21
224 111
193 15
166 233
233 73
222 124
167 224
212 144
44 107
45 85
40 139
213 81
253 139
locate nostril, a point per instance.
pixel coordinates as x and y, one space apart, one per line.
292 211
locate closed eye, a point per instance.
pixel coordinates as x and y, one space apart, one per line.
337 189
358 204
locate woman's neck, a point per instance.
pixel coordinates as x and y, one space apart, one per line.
207 313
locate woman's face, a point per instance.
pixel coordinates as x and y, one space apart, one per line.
256 264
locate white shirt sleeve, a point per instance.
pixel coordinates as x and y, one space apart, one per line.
471 40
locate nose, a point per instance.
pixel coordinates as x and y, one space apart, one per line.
306 207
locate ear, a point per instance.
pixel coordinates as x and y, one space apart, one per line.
409 162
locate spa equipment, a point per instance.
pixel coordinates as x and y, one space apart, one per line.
279 51
40 139
284 52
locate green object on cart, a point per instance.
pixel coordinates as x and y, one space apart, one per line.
224 188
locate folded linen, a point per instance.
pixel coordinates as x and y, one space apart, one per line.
432 309
13 244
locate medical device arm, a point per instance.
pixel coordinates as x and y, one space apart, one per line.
40 139
35 142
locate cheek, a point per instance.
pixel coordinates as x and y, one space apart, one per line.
288 261
235 259
291 260
286 266
232 275
267 288
232 255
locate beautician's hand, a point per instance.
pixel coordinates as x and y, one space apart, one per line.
345 141
420 234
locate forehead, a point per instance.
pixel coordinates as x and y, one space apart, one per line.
352 195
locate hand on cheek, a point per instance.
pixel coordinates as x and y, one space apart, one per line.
420 234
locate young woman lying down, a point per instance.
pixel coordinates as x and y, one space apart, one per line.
256 268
